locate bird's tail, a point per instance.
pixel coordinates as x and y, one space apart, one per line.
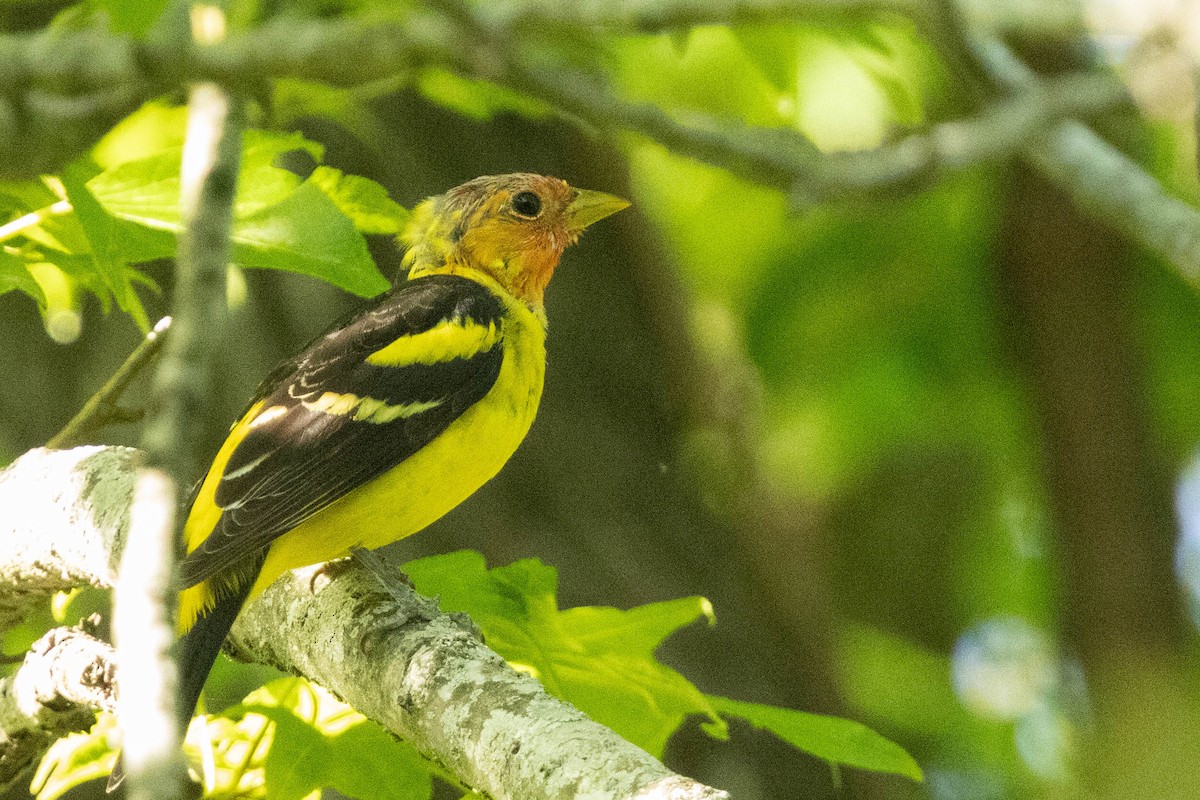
197 652
199 647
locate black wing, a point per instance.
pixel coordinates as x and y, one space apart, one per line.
300 460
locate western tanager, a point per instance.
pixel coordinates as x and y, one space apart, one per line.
395 415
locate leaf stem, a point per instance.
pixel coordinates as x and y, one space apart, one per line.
19 225
101 408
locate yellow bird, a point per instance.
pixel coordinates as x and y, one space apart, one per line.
396 415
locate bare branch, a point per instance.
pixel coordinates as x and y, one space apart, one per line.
998 131
145 601
426 677
1029 17
88 490
1101 179
421 674
486 43
66 676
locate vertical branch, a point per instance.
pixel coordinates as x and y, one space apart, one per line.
145 597
146 684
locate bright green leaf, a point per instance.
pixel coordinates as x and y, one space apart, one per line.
775 50
134 17
599 659
263 147
461 582
146 191
15 275
839 741
361 199
299 758
368 763
279 222
319 741
75 759
307 234
19 197
474 98
642 628
154 128
100 229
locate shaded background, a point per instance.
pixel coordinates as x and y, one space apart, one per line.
919 451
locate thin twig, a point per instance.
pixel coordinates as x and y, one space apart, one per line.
1100 178
33 219
101 408
1028 17
1000 130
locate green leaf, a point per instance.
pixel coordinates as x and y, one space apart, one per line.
361 199
368 763
319 741
475 98
146 191
775 50
134 17
307 234
100 229
263 147
15 275
154 128
19 197
75 759
839 741
280 222
299 756
599 659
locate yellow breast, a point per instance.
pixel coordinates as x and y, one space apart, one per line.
438 477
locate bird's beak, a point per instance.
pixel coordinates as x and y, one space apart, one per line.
589 207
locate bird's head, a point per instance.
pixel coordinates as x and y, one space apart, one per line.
513 228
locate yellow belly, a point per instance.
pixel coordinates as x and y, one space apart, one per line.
435 479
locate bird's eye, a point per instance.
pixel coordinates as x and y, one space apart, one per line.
527 204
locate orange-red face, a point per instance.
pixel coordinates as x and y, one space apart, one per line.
511 227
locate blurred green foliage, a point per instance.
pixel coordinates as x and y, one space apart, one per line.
882 498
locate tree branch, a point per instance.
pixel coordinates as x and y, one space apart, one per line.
1028 17
65 678
1100 178
427 678
88 490
144 605
421 674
